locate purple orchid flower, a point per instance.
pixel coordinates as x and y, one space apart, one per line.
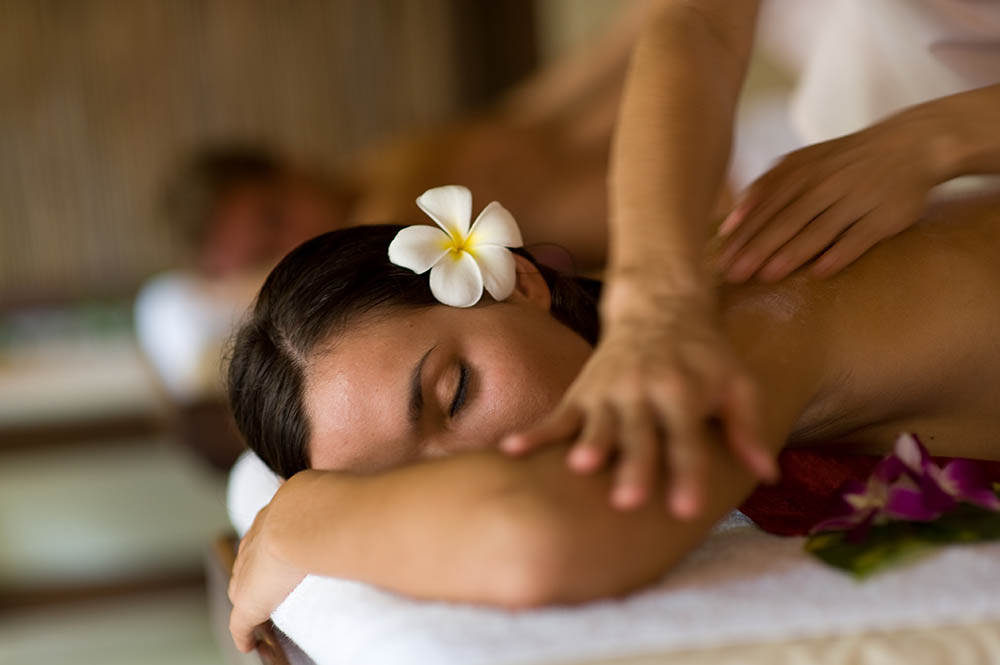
961 480
907 485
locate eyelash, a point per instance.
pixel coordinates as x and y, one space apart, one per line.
461 392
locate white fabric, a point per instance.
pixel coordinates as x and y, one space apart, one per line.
856 62
740 586
251 486
182 325
875 57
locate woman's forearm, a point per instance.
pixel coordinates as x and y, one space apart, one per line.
484 528
429 530
673 138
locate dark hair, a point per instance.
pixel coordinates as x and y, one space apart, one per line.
205 177
315 292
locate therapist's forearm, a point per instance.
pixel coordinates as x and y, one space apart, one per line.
673 141
967 131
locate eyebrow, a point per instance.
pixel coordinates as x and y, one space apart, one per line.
417 389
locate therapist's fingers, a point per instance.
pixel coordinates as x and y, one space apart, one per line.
743 430
637 465
810 241
777 231
685 455
856 240
596 441
763 199
560 425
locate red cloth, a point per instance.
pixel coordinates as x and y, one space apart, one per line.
807 492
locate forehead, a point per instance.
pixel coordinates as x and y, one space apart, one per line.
353 394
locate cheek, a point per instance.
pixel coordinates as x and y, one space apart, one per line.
530 379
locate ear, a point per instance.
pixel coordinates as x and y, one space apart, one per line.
530 288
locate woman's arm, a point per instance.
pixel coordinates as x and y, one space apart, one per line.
483 528
477 527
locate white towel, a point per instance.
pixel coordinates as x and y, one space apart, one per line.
741 586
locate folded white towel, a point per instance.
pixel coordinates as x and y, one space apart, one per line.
741 586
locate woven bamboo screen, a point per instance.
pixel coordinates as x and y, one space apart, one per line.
99 97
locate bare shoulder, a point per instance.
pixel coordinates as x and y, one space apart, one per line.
915 324
904 338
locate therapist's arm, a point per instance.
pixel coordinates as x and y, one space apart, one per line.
834 201
970 127
663 363
673 138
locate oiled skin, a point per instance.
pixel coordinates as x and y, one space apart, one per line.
906 338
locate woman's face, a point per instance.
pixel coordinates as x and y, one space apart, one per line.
434 381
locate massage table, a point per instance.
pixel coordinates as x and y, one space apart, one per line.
759 593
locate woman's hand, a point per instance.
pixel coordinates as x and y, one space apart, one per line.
850 192
261 580
648 392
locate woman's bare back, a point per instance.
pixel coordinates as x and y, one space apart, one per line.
907 338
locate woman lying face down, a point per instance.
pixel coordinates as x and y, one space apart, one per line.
322 386
349 363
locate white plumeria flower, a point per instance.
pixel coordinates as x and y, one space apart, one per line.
462 260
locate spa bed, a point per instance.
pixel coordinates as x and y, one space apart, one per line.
745 596
972 643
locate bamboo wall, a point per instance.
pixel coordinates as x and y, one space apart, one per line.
99 97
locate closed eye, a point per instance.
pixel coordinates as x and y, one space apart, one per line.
461 391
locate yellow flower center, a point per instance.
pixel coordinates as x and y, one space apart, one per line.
458 245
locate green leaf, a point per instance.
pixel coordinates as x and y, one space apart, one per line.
964 524
898 542
886 545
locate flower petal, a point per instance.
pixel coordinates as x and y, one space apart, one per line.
418 247
456 280
911 452
451 207
965 480
495 226
936 491
889 469
907 504
498 268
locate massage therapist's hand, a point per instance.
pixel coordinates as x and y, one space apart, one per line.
851 192
261 580
647 393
